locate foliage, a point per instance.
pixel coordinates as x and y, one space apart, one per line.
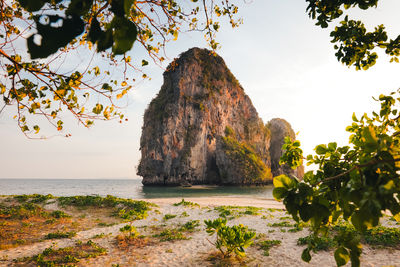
293 153
66 256
186 204
230 212
281 224
59 214
230 239
170 235
127 209
190 226
266 245
34 198
248 162
24 211
169 216
358 182
317 243
58 234
130 229
56 31
354 45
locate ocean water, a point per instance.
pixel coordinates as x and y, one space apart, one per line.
126 188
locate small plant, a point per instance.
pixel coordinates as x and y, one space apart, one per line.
34 198
169 216
130 230
281 224
59 214
317 243
266 245
186 203
190 226
101 235
66 256
230 239
184 214
59 235
170 235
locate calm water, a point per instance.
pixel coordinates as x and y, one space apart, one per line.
129 188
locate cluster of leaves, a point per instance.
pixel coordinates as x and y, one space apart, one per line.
247 161
230 239
230 212
130 230
169 216
190 226
66 256
34 198
58 234
54 29
358 182
186 203
378 237
24 211
266 245
127 209
169 234
354 44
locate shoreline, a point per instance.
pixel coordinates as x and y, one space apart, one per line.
222 201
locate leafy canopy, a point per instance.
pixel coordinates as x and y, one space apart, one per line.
361 181
354 44
358 182
39 36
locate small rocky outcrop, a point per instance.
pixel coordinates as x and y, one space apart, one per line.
202 128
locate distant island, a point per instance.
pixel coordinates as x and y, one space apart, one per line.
202 128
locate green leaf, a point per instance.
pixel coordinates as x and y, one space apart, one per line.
127 6
54 38
95 31
363 220
105 41
306 256
124 35
332 146
284 181
354 117
279 192
79 7
32 5
320 149
97 109
370 138
342 256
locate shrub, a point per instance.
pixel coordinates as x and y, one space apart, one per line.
58 235
230 239
169 216
266 245
186 203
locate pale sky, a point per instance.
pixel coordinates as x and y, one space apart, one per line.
284 63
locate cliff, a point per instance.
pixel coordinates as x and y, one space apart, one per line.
202 128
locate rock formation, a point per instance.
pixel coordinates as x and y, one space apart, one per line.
202 128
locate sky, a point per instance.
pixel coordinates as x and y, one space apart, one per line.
285 64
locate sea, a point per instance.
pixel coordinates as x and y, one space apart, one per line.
125 188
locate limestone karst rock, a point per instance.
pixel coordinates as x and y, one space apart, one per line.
202 128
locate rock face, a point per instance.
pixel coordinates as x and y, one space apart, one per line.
202 128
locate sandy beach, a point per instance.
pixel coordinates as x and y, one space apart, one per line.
197 248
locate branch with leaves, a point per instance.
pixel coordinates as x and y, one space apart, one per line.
38 37
354 44
358 183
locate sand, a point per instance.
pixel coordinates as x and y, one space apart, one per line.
199 248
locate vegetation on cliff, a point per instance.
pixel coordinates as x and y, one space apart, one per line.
248 162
